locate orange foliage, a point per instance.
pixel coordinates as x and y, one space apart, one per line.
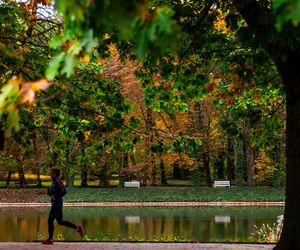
265 168
164 127
220 23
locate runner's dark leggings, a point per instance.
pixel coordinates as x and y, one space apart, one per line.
56 214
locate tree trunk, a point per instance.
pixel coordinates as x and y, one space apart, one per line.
205 129
84 176
239 161
21 176
276 156
134 164
103 176
249 155
163 180
123 167
289 70
219 165
69 163
230 160
176 169
84 167
207 170
2 136
8 177
39 181
132 159
69 179
150 157
287 61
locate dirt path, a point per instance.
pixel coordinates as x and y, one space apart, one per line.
144 204
133 246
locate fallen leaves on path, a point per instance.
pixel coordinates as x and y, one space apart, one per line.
21 194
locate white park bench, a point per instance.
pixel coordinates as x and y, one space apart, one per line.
132 184
222 184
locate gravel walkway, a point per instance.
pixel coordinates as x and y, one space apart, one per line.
132 246
146 204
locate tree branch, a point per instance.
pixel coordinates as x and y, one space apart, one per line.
258 18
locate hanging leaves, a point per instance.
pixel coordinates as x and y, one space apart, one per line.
15 93
29 89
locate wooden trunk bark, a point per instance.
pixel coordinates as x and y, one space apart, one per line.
69 163
289 70
207 170
39 180
103 175
219 165
150 157
8 177
163 180
21 176
286 57
136 173
230 160
249 154
123 159
2 136
84 176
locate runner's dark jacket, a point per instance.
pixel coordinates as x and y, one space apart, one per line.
57 191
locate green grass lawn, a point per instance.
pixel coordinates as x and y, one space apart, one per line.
45 183
173 194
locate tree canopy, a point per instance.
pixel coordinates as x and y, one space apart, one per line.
223 67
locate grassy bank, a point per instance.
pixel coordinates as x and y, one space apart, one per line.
173 194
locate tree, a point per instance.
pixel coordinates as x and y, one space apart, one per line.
24 52
282 45
285 53
181 34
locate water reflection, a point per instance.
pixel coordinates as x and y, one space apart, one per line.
192 224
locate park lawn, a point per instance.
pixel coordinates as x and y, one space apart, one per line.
147 194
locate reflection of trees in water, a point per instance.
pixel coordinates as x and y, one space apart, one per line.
123 227
162 225
250 226
205 230
176 227
194 224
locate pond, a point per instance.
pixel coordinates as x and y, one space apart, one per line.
196 224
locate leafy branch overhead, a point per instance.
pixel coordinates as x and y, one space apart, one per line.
196 85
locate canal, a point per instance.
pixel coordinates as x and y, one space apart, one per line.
195 224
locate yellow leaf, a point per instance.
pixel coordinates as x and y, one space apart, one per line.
27 96
87 135
106 36
85 59
42 84
28 90
236 82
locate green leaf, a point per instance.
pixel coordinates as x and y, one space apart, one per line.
53 68
278 3
163 19
8 91
89 41
69 65
142 45
13 122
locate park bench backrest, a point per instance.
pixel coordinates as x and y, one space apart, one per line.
221 183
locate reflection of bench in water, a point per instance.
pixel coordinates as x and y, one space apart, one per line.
222 219
132 184
130 219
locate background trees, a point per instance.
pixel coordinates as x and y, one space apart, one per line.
210 104
193 55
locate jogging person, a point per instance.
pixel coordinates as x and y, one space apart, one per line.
57 191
